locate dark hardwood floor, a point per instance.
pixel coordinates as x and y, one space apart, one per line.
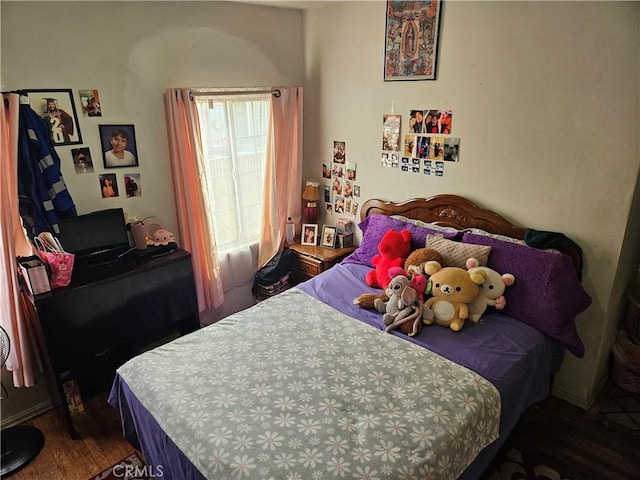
100 444
576 442
580 444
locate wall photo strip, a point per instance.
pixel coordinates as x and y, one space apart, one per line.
340 175
426 146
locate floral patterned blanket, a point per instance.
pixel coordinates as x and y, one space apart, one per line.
294 389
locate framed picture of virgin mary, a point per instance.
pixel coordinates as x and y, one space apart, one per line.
411 39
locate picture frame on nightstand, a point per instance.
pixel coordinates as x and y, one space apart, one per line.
328 238
309 234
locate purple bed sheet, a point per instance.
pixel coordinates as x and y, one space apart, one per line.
516 358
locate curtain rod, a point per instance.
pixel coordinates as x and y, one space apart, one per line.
276 93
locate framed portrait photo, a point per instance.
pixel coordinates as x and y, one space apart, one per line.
309 234
328 236
411 40
58 108
118 146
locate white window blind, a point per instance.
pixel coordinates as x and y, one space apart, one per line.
234 136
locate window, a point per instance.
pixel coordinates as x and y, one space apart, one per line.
234 136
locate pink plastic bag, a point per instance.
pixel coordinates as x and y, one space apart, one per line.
61 265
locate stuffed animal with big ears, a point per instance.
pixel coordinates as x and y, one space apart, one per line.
452 289
403 309
491 291
414 267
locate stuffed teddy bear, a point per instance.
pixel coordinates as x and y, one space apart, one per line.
453 288
419 257
413 264
394 247
491 291
402 310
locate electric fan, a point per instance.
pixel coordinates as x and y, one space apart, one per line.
22 443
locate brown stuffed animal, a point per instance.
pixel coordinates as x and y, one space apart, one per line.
453 289
413 264
418 258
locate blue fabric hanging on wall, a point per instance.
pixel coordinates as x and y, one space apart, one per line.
43 195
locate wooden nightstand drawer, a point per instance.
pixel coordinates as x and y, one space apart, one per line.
311 260
306 265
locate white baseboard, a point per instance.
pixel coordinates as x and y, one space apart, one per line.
584 403
28 414
572 399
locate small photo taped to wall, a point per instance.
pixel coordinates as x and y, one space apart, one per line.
82 160
132 185
108 185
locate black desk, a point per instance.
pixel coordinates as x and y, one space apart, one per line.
110 313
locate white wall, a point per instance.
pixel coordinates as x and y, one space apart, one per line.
546 102
131 52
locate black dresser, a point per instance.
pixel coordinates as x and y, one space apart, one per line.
112 312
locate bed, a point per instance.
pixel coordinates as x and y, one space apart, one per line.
307 385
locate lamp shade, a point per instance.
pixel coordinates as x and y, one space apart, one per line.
311 194
311 191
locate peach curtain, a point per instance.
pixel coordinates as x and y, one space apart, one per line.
283 173
196 233
17 313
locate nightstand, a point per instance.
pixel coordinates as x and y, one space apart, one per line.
309 260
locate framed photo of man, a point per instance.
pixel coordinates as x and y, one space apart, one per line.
58 108
118 146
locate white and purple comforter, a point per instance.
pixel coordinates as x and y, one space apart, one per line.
294 389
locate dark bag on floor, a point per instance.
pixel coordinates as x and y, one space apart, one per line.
274 270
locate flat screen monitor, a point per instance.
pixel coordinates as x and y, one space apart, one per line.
94 233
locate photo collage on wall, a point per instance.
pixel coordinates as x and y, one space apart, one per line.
117 142
341 193
426 145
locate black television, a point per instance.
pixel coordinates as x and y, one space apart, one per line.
98 234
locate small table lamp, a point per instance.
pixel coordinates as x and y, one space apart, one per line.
311 195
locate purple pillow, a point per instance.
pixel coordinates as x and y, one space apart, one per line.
546 295
376 225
